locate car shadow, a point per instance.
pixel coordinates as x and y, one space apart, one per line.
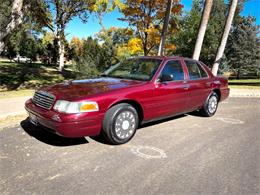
41 134
156 122
49 138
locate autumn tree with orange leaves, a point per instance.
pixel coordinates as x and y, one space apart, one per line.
147 17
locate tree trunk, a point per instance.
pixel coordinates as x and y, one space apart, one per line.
165 28
225 34
61 54
238 73
16 19
203 26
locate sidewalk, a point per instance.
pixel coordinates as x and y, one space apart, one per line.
236 92
15 106
12 106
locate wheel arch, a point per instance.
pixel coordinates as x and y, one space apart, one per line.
133 103
217 91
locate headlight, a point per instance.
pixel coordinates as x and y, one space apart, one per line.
75 107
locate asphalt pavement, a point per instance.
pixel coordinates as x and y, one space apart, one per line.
188 154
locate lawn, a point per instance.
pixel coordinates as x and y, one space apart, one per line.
245 82
21 76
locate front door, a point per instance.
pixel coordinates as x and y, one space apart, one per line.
171 96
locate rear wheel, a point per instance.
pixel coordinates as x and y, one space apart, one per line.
210 106
120 123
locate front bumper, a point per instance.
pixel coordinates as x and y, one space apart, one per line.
67 125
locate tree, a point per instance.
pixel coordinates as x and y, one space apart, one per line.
93 58
65 11
76 45
15 19
243 46
147 17
185 38
224 38
50 51
101 7
116 40
202 28
165 27
135 46
31 13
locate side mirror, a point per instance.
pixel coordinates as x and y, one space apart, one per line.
165 78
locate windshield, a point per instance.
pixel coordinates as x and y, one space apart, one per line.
137 69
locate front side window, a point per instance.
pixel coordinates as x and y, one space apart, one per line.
174 69
195 70
137 69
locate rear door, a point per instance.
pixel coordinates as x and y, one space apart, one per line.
199 84
171 97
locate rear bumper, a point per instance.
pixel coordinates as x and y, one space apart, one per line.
224 93
69 125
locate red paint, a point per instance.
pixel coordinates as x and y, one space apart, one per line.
157 100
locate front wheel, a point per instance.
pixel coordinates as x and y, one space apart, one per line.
120 123
210 106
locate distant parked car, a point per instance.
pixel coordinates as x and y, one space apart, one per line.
22 59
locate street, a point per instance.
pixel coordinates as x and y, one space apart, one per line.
188 154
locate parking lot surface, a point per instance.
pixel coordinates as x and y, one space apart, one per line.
188 154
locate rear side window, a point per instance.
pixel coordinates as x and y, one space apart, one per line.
195 70
174 68
202 71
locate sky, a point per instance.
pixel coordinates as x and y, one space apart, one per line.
81 30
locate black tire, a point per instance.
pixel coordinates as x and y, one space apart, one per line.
210 106
113 131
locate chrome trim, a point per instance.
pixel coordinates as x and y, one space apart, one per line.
43 99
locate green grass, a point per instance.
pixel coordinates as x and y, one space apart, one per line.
244 83
244 87
19 76
247 82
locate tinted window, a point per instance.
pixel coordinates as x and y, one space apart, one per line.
174 68
195 70
202 71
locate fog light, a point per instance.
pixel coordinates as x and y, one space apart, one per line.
56 117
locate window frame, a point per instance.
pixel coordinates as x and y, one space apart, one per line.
165 63
198 64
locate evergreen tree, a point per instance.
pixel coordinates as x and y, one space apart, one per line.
243 47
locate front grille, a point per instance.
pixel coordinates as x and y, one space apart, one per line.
43 99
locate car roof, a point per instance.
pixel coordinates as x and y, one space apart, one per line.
164 57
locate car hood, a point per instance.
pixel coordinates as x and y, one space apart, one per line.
78 89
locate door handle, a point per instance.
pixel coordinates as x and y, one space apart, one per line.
186 86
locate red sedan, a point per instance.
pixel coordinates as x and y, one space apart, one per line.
130 93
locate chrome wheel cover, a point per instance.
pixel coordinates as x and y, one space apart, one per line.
212 104
125 125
